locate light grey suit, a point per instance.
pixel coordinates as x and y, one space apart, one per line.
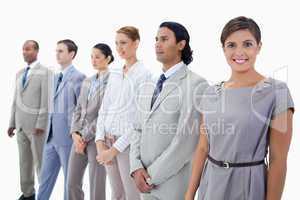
165 137
30 111
84 121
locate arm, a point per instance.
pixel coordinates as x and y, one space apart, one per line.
199 160
42 119
12 122
75 126
280 138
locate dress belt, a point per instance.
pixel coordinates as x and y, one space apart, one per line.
228 165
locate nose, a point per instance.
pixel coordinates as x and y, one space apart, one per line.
239 51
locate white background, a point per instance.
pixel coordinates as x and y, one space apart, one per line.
90 22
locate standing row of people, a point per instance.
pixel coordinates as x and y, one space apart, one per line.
154 138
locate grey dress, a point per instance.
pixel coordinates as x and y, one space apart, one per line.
237 122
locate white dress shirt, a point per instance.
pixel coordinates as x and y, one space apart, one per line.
119 105
31 66
174 69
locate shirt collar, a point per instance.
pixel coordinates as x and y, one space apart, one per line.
101 77
132 68
66 70
172 70
34 64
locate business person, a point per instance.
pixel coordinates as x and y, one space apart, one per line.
58 145
116 115
256 114
165 134
83 129
29 115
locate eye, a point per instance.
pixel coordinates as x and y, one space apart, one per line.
248 44
230 45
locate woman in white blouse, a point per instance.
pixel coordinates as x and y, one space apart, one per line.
116 115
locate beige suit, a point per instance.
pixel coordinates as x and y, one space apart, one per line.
165 137
84 121
30 111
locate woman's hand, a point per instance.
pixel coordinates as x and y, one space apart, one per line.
79 143
106 156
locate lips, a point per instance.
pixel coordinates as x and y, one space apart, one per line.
240 61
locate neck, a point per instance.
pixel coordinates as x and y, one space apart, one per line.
130 61
167 66
249 78
64 66
30 62
101 71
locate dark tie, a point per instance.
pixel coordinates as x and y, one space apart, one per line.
25 76
158 88
60 77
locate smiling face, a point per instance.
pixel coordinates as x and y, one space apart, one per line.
167 50
98 59
125 46
241 49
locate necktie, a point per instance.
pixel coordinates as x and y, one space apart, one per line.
60 77
25 76
158 88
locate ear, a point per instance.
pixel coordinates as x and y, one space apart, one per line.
136 43
181 44
72 53
108 59
259 47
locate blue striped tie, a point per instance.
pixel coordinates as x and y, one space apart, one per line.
24 79
158 88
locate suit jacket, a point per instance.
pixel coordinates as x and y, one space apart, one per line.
166 136
63 103
30 104
86 113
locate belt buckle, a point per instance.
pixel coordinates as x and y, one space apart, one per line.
226 165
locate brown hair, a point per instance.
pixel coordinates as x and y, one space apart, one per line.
241 23
131 32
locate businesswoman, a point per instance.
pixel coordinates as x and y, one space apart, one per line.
246 123
117 113
83 129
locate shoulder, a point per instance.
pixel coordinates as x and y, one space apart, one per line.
196 80
77 75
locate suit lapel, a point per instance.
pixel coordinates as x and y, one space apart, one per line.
170 84
32 73
67 77
99 88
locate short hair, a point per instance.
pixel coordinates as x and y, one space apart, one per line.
71 46
35 44
106 50
241 23
131 32
181 33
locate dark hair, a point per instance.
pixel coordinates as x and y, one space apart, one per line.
131 32
181 34
70 45
241 23
35 44
105 49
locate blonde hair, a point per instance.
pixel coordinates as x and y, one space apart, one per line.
131 32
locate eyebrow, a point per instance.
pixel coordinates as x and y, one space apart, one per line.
249 40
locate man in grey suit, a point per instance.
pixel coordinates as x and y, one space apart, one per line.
167 125
65 94
29 116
